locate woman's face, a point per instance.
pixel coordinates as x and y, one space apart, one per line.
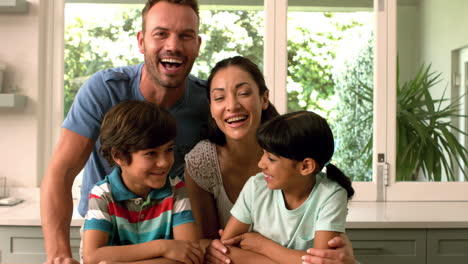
235 103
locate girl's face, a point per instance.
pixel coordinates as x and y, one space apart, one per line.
280 173
148 169
235 103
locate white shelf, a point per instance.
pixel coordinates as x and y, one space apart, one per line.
12 100
13 6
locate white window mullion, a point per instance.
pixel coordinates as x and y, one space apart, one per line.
276 54
51 72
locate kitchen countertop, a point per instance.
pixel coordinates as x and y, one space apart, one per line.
360 214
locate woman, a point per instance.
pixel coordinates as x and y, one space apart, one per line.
217 168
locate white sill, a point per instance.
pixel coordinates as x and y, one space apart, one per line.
407 215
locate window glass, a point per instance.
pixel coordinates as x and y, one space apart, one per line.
331 72
432 87
100 36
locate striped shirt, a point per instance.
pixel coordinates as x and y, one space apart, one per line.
129 219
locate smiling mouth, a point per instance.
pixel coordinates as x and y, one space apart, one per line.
158 174
236 119
171 64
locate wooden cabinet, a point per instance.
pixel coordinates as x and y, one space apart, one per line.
25 244
415 246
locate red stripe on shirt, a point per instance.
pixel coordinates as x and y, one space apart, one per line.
94 196
180 185
150 213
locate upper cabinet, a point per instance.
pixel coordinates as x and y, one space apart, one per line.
13 6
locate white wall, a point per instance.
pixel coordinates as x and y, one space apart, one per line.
19 51
444 29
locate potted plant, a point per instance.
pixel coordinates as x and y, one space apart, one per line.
426 140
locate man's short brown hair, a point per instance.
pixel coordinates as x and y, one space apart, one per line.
193 4
133 125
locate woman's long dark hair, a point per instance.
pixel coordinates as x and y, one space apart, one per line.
301 135
213 133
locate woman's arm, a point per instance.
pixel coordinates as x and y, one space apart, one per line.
203 208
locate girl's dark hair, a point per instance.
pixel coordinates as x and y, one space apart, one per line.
214 134
301 135
131 126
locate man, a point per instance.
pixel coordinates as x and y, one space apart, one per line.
170 43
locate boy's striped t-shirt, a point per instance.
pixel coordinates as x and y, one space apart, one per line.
129 219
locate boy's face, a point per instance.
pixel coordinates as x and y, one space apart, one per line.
148 169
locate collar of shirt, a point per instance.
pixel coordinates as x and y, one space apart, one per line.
121 193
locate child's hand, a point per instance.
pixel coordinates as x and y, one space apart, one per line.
251 241
183 251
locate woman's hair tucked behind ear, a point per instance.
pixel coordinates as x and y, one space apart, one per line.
301 135
213 133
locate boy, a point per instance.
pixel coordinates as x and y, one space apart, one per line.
136 213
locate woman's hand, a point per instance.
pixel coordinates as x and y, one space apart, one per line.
216 253
341 254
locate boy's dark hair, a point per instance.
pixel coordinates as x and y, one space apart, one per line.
131 126
193 4
214 134
301 135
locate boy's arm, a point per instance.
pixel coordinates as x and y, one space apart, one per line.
95 249
234 228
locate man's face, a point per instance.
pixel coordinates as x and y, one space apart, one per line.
170 43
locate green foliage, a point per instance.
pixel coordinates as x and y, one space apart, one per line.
353 125
244 37
425 137
86 49
310 59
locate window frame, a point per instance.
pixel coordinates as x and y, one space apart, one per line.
275 61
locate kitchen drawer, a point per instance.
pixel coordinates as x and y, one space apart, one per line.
25 244
382 246
447 246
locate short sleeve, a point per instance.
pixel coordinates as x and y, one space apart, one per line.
201 164
97 216
332 213
88 108
182 211
242 209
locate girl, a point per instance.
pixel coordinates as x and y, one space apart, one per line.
290 202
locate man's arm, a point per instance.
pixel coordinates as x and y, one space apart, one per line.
69 157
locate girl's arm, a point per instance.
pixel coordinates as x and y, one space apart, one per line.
234 228
257 243
203 208
322 237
